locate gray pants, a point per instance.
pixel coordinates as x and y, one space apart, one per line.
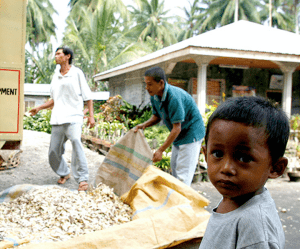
184 160
59 136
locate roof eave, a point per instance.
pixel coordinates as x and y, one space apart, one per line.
192 51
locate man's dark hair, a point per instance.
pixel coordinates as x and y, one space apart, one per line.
157 73
67 51
256 112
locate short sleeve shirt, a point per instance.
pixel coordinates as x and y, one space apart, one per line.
68 93
254 225
178 106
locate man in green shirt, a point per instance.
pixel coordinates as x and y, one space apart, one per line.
180 114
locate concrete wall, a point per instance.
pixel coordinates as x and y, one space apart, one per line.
32 101
131 87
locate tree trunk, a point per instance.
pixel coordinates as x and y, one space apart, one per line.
270 12
236 14
296 17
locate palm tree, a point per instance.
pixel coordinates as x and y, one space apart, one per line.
293 7
40 66
223 12
150 20
39 23
77 6
278 14
100 43
236 11
194 17
296 10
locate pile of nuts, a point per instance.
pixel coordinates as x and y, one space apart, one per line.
58 214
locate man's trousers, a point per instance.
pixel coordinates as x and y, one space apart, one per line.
59 135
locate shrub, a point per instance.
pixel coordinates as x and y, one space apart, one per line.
39 122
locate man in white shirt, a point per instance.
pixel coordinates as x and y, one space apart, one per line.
68 91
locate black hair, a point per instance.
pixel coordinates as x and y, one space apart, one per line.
256 112
67 51
157 73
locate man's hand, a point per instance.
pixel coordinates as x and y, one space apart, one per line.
140 126
157 156
34 111
91 122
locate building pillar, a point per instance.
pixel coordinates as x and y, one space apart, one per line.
202 63
287 69
287 92
201 87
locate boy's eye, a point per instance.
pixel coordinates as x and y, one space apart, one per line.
217 154
244 158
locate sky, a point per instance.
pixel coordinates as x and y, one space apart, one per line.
63 9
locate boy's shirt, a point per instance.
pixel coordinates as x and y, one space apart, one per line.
178 106
254 225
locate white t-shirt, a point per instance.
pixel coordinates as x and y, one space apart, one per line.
68 93
254 225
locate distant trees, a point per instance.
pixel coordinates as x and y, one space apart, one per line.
105 34
223 12
39 23
99 38
150 20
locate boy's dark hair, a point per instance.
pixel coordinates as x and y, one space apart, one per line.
67 51
256 112
157 73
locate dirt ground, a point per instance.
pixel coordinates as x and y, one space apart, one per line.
34 169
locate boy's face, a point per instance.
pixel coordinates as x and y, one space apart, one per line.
238 158
153 87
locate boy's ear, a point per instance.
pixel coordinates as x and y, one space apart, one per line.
278 168
204 151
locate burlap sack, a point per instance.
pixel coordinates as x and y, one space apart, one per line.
125 162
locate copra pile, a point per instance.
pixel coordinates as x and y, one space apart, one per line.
58 214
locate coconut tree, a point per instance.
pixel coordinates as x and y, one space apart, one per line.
278 14
40 66
194 17
100 43
39 23
222 12
150 19
293 7
295 11
78 7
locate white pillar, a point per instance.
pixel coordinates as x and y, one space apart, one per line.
201 87
287 92
287 69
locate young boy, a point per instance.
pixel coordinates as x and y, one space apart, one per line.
245 142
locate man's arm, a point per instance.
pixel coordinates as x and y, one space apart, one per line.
91 120
48 104
170 139
150 122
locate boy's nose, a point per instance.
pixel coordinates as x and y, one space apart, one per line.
228 168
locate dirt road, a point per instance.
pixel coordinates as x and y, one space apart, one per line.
34 169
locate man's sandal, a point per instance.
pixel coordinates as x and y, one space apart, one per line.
63 179
83 186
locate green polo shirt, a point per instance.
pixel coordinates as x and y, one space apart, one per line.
178 106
